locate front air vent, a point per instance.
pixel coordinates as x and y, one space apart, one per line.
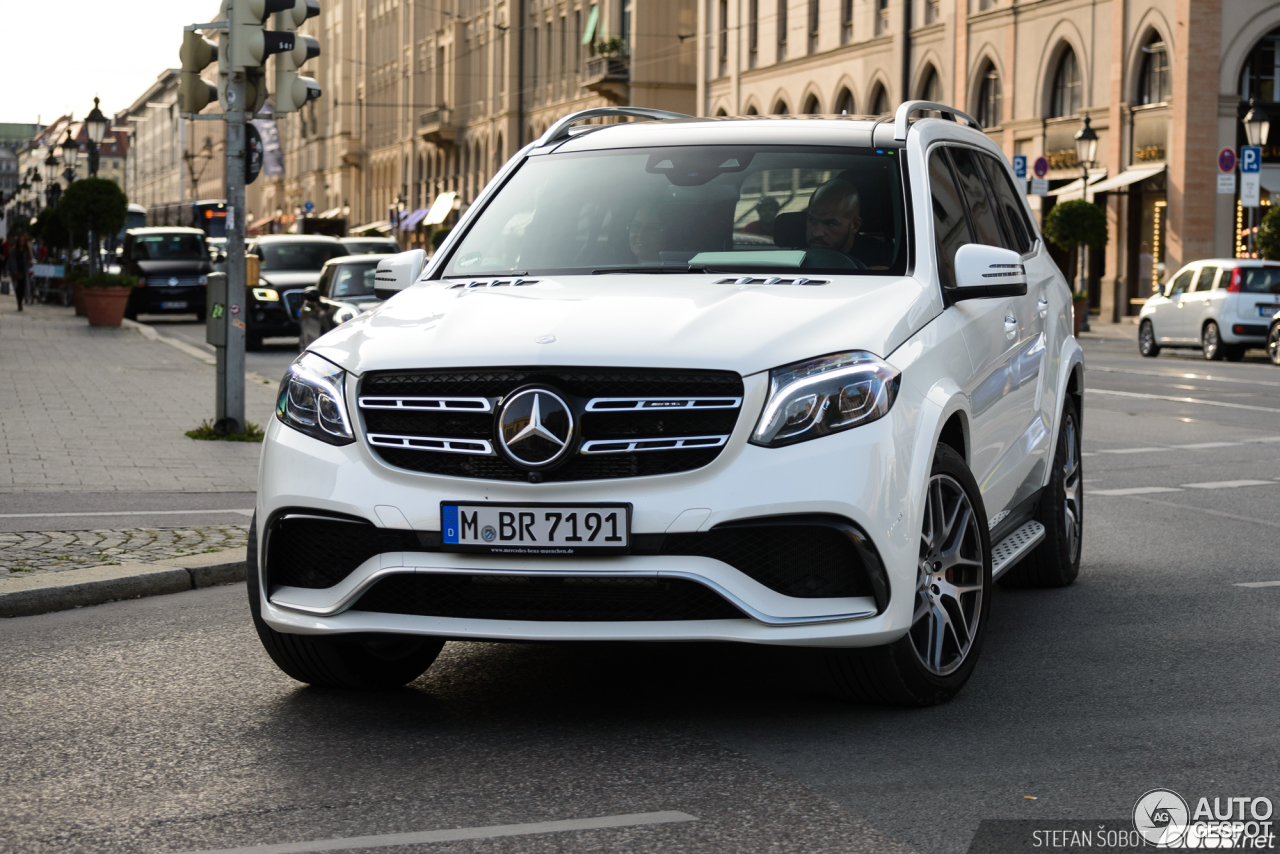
493 283
773 280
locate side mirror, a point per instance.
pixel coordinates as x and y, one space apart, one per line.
988 271
398 272
311 294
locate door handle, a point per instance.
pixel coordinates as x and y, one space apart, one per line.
1010 326
1043 305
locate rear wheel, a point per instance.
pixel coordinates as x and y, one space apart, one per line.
934 659
1211 342
1056 561
1273 343
1147 345
365 662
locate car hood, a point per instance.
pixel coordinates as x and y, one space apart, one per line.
174 268
689 321
290 278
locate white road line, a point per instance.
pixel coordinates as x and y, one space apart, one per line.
1131 450
1195 400
238 511
1198 446
1183 376
1133 490
1228 484
387 840
1259 584
1207 511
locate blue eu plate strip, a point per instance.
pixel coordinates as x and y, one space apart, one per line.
449 520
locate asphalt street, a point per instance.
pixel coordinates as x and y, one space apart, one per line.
271 361
159 725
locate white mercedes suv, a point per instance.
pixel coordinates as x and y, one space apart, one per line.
804 381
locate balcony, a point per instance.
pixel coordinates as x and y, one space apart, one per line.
437 126
604 74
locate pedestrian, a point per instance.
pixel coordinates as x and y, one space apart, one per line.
19 266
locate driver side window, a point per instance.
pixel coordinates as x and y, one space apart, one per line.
1181 284
950 226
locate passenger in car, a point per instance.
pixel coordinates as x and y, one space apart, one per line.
767 210
646 234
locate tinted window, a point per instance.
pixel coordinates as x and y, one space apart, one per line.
951 230
302 256
744 207
325 279
352 280
371 247
1182 283
1205 281
982 211
1017 226
1260 280
169 247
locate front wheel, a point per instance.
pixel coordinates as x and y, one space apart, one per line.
1211 342
934 659
1147 345
1273 343
363 662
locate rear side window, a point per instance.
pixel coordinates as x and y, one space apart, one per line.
1260 280
982 211
950 227
1018 228
1205 280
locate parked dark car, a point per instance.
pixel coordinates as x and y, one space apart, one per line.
172 265
290 262
345 292
370 245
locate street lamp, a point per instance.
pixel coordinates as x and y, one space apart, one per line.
1086 155
95 125
51 164
70 156
1257 127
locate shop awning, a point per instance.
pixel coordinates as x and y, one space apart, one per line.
409 221
440 208
257 224
1074 190
372 228
1129 176
331 213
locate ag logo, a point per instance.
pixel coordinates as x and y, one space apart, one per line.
535 428
1161 817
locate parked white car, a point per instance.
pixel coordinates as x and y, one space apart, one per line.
1221 305
607 409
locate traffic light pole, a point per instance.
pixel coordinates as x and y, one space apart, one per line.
231 357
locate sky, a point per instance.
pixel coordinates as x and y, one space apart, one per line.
57 56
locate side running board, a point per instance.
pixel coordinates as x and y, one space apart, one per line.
1014 548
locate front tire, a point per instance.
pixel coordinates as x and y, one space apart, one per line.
1147 344
1056 561
934 659
1211 342
367 662
1273 343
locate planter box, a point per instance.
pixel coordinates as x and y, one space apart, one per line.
105 306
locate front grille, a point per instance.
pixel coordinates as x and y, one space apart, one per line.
304 551
412 415
507 597
174 281
293 302
808 561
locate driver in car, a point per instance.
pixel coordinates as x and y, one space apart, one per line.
834 217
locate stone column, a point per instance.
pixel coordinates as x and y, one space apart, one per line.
1114 303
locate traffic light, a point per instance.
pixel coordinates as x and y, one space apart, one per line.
293 91
250 43
195 93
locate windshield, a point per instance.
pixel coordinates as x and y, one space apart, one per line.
1260 280
169 247
353 280
308 255
371 247
704 207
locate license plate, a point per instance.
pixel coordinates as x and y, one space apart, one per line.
1267 310
559 529
173 304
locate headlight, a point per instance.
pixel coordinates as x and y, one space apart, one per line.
824 395
266 294
312 400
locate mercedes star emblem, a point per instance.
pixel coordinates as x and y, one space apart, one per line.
173 280
535 428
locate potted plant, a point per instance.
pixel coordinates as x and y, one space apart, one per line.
105 297
90 208
1071 226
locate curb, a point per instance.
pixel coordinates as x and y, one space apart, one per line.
190 349
78 588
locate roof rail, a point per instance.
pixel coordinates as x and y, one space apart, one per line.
560 130
901 124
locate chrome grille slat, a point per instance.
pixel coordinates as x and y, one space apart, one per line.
428 404
616 446
478 447
649 404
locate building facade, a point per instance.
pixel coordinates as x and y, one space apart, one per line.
1161 82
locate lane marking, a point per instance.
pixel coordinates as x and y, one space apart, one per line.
1207 511
1131 450
238 511
1259 584
386 840
1228 484
1202 445
1183 376
1195 400
1134 490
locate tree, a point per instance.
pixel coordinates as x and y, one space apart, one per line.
91 208
1269 235
50 230
1076 223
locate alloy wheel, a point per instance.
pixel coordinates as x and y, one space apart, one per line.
1071 487
949 579
1146 338
1209 341
1273 343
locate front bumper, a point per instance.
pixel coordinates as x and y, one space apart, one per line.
152 300
861 475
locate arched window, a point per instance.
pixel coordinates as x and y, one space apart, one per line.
989 102
1155 83
781 109
752 111
844 103
930 85
1065 100
498 157
1258 79
720 112
879 101
811 106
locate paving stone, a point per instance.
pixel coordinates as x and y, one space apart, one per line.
32 552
